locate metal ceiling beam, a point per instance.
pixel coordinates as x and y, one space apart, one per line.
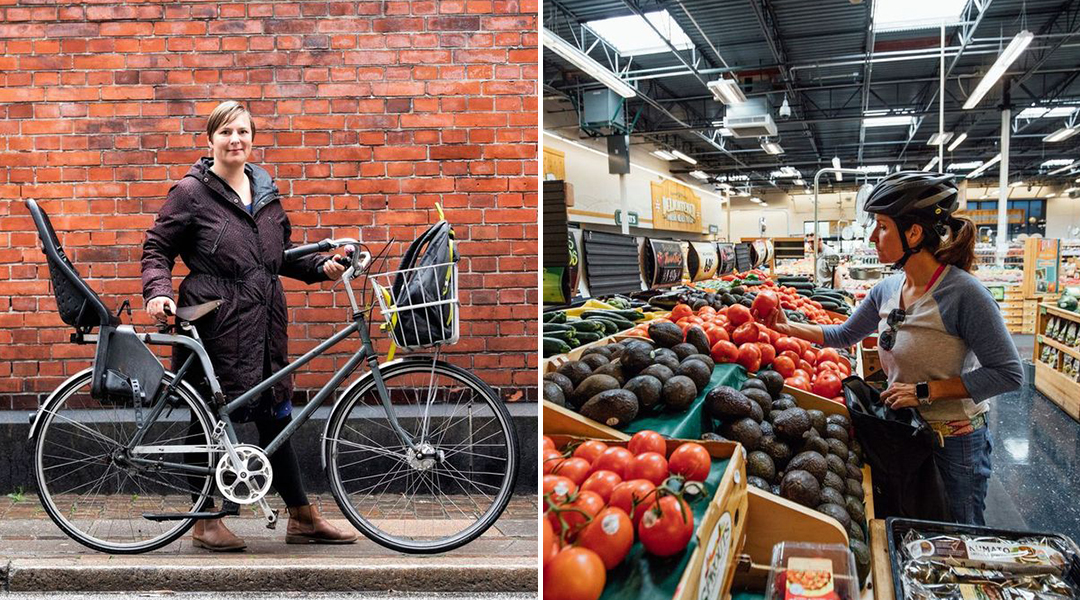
868 71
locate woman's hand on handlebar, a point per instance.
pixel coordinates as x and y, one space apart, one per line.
333 268
156 308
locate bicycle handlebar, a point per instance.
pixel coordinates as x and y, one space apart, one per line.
299 251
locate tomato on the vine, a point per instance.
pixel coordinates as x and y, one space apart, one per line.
629 492
666 527
551 459
610 535
583 507
647 441
575 574
651 466
603 483
559 487
548 444
615 458
691 461
551 542
590 450
574 469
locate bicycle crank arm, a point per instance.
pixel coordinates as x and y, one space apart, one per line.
270 514
229 509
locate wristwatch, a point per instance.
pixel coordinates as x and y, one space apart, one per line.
922 392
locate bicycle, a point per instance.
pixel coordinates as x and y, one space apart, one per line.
421 455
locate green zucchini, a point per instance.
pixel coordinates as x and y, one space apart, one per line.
625 315
585 326
619 321
609 326
554 346
566 336
585 337
557 327
556 316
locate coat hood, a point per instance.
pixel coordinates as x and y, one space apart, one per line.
263 188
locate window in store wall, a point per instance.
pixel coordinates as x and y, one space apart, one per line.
1033 209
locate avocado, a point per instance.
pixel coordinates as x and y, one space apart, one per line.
853 472
668 361
760 396
777 450
635 358
709 436
862 560
696 371
829 495
658 371
753 382
757 415
606 351
837 432
854 488
792 423
591 386
725 403
595 361
836 465
835 481
811 462
837 512
766 428
800 487
576 371
774 382
647 389
554 394
727 299
787 397
759 483
662 352
562 381
853 459
737 291
684 349
613 369
782 403
857 449
760 464
705 358
744 431
855 508
696 336
840 420
837 448
817 420
679 392
856 533
616 349
614 408
817 444
665 333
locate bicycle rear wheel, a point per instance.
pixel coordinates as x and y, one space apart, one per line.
88 483
405 501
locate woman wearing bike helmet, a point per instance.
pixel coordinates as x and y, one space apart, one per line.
225 219
942 341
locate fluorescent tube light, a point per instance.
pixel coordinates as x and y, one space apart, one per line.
1040 112
799 182
683 157
836 165
663 154
893 121
1057 162
726 91
939 139
964 166
985 166
1063 169
699 175
1069 190
771 147
1004 60
1061 134
584 62
1017 184
755 200
930 165
874 168
1048 196
959 140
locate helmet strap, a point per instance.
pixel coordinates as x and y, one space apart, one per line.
908 250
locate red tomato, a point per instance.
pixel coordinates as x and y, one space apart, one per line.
551 459
805 366
798 382
787 344
829 354
801 373
768 353
706 312
739 314
845 369
715 333
824 365
610 535
603 483
647 441
750 357
548 444
574 469
559 487
650 466
574 574
724 352
590 450
696 320
810 356
774 336
680 311
764 303
666 527
803 345
745 334
795 358
586 503
627 493
691 461
551 542
784 366
614 459
827 385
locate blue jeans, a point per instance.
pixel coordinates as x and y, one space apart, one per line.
964 463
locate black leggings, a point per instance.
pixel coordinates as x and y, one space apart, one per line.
288 482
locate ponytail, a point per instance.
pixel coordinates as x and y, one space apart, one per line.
959 250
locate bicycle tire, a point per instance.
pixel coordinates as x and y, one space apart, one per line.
332 453
53 407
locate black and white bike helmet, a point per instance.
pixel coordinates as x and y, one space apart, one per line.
915 196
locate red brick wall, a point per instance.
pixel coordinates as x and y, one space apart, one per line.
374 110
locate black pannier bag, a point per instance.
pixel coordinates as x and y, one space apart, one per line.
899 447
419 301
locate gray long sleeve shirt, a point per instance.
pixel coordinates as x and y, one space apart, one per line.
955 329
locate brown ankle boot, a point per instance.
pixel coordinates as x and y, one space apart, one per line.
212 534
307 526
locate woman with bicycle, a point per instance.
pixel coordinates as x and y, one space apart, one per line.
225 219
942 340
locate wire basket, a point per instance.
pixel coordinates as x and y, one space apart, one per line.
420 305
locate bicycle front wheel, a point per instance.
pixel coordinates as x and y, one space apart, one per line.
442 497
96 490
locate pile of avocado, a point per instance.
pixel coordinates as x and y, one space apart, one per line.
798 454
615 383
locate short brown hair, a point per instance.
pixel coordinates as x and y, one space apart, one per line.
225 113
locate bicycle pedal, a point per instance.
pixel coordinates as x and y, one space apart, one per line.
271 523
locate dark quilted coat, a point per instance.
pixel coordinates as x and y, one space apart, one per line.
236 257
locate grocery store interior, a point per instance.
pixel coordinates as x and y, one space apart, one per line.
701 157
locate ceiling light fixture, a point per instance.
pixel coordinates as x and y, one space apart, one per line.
585 62
771 147
663 154
1004 60
874 168
836 165
799 182
892 121
683 157
939 139
1063 169
984 167
964 166
930 165
1061 134
959 140
726 91
702 175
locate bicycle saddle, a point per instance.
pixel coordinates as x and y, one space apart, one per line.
196 312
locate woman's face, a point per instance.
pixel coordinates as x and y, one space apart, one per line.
231 144
886 238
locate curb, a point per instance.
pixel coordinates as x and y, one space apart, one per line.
270 574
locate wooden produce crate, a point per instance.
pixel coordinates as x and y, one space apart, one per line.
1055 385
868 354
880 562
710 569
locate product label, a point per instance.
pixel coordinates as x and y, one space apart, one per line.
808 578
715 567
988 553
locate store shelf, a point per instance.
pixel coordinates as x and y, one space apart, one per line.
1059 346
1060 388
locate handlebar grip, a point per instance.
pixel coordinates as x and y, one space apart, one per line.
167 310
306 249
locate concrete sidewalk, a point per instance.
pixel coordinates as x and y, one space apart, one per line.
36 556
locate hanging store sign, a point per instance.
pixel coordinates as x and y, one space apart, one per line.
1047 260
675 207
663 262
990 217
702 260
726 253
633 221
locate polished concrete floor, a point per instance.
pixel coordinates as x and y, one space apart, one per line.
1036 473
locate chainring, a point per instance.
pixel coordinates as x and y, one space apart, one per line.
248 482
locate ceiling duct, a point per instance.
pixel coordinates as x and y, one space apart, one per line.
751 119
